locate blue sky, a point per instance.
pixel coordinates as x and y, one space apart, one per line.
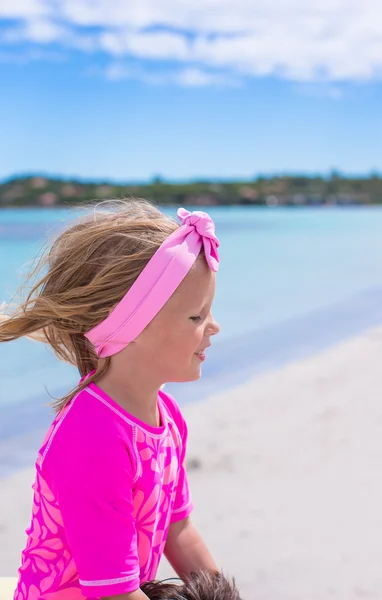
202 88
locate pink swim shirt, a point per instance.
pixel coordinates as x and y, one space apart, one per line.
107 488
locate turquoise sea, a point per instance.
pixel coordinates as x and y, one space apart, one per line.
291 282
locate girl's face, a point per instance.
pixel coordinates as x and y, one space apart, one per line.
169 345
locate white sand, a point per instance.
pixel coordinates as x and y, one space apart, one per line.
288 493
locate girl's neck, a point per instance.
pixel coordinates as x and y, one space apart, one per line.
137 395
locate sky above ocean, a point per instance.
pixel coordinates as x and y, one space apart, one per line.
127 91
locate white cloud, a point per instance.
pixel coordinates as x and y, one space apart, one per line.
39 31
193 77
44 31
23 9
320 40
161 45
188 77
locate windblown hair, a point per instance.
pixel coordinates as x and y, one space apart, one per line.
198 586
80 278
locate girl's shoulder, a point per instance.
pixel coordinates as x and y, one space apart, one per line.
89 424
92 409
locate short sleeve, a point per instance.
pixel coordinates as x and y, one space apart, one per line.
183 505
93 482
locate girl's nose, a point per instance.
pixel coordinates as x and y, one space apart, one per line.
214 327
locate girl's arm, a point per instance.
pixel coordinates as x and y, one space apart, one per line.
186 551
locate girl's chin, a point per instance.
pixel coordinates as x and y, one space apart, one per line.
194 375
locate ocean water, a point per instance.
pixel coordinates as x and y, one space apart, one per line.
291 282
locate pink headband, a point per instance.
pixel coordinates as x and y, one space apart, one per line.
157 282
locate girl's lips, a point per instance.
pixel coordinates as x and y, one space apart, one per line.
202 356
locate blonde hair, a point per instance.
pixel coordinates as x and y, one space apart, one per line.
83 274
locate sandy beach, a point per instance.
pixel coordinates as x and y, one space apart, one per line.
285 474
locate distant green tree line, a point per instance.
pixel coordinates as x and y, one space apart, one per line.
285 190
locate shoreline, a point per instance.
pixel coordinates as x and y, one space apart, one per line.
284 472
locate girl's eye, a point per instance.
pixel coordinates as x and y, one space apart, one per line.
195 319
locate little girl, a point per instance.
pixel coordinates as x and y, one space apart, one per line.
126 296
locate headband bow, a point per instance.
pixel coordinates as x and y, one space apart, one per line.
205 227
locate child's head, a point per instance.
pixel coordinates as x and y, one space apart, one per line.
199 586
87 272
